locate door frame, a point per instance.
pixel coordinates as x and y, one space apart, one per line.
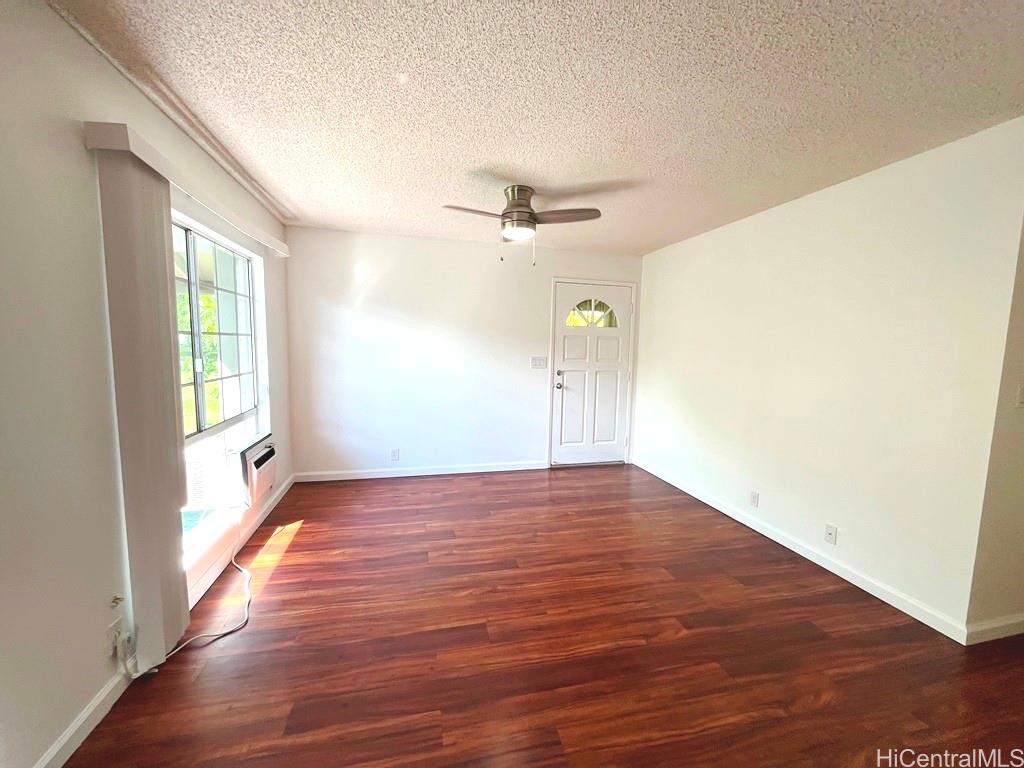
630 372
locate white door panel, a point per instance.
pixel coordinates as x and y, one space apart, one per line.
574 407
575 348
606 406
607 350
592 333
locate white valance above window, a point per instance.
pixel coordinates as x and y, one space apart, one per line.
198 206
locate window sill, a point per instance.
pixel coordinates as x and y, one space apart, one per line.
252 413
215 465
233 444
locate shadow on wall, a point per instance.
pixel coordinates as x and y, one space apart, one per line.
424 364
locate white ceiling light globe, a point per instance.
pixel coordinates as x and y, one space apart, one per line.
517 230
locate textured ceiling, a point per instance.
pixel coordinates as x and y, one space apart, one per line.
371 115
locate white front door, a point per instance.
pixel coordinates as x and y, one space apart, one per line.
590 372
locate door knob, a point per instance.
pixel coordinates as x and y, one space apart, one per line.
558 373
558 385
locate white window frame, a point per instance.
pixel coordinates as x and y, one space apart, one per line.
198 381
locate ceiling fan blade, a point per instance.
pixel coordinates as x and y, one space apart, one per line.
567 191
566 215
472 210
496 175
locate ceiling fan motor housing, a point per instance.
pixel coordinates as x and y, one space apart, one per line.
518 207
518 211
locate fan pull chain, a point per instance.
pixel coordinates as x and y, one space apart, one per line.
533 244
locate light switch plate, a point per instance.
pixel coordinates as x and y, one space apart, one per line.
539 363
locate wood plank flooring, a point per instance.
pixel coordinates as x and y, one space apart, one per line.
581 617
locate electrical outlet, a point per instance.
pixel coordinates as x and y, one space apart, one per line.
831 535
114 631
395 453
755 498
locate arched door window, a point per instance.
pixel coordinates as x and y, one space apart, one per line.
592 313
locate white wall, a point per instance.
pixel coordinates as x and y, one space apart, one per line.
423 345
276 284
997 594
841 354
60 532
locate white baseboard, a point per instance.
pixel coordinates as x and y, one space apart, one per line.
82 725
449 469
911 606
95 710
994 629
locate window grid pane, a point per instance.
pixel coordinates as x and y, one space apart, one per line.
245 354
208 311
178 237
226 304
592 312
248 392
225 269
211 356
228 355
244 314
211 399
242 275
183 306
214 318
230 397
205 260
188 409
185 358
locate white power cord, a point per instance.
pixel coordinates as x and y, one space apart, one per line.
214 636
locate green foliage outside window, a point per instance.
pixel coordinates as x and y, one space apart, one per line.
215 282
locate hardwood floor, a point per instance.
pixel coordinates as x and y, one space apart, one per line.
592 616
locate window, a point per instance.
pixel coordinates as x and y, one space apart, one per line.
591 313
213 287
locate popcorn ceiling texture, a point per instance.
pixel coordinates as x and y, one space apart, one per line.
370 115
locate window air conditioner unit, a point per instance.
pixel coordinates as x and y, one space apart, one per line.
261 473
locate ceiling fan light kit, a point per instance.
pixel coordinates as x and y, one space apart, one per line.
517 231
519 221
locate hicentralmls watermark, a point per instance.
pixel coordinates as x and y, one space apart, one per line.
974 758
